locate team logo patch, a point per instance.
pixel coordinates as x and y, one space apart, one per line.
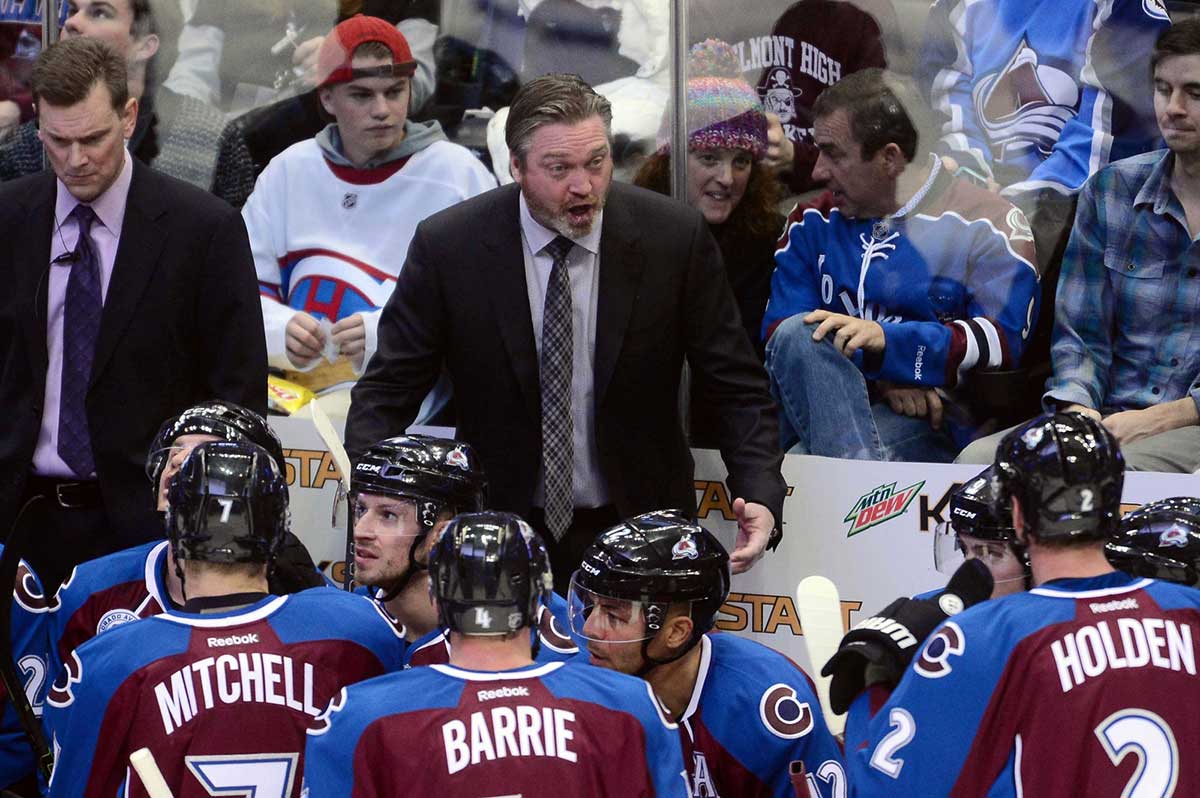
785 715
1173 536
950 604
685 549
1019 225
457 457
882 504
934 662
114 618
1156 9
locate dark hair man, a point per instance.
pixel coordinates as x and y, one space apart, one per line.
894 290
494 722
563 308
1087 667
131 296
237 674
644 598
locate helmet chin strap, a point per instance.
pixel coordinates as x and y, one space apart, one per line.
656 613
427 513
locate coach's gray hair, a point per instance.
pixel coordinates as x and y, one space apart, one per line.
550 99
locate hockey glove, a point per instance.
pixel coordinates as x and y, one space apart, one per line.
887 642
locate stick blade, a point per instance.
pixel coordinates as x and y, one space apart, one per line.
820 610
147 770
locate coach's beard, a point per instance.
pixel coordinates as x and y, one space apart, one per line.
572 219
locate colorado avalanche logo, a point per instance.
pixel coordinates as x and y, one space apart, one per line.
1174 536
685 549
28 592
114 618
321 723
785 715
1025 105
934 662
457 457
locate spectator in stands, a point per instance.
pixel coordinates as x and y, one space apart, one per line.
886 298
1128 309
1033 99
331 218
175 134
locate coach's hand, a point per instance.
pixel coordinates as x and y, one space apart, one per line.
755 523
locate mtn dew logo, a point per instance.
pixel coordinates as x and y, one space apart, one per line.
882 504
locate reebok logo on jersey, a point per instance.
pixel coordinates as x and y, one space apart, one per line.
1113 606
233 640
502 692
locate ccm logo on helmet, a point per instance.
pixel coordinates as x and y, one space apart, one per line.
934 662
783 714
370 467
232 640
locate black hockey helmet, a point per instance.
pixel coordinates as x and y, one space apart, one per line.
437 473
488 572
226 420
1067 472
228 503
1160 540
652 561
977 512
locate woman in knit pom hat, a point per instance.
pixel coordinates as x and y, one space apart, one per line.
728 183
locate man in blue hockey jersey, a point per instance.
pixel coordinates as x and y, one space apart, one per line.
223 690
888 298
142 581
403 492
1093 667
27 627
644 598
492 721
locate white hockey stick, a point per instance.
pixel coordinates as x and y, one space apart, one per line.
820 610
331 440
147 770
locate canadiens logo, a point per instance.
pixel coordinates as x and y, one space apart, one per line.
685 549
882 504
457 457
1174 536
114 618
349 200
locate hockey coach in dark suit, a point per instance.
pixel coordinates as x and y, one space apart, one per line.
129 297
563 308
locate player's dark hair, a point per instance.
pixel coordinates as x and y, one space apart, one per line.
1182 38
551 99
882 107
65 73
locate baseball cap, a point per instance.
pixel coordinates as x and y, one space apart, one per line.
337 51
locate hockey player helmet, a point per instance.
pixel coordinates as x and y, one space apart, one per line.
436 473
979 526
488 572
1160 540
1066 471
225 420
227 504
633 572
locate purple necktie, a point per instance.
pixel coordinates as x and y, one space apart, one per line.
81 328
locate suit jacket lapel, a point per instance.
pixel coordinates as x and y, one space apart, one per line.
32 256
505 284
142 239
621 263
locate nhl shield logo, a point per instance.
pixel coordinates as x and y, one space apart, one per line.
349 200
1173 536
457 457
685 549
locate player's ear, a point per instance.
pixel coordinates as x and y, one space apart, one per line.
677 631
1018 521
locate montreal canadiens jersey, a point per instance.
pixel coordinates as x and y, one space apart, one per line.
330 240
952 283
554 643
546 729
104 593
1080 687
29 651
222 700
752 713
1042 93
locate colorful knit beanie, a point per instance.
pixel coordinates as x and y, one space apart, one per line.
723 110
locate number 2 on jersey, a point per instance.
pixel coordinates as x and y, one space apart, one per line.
1147 736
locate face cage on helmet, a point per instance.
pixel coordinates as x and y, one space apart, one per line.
618 620
950 551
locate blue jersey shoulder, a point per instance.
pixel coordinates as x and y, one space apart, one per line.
88 578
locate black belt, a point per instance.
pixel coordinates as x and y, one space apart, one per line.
67 493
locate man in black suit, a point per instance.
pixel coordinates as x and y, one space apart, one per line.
130 296
563 311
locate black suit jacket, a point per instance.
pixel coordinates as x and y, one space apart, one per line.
461 301
181 323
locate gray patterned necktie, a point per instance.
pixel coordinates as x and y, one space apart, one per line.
81 328
557 355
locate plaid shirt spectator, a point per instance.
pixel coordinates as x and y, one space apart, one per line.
1127 316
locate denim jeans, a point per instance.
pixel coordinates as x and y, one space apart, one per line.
826 409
